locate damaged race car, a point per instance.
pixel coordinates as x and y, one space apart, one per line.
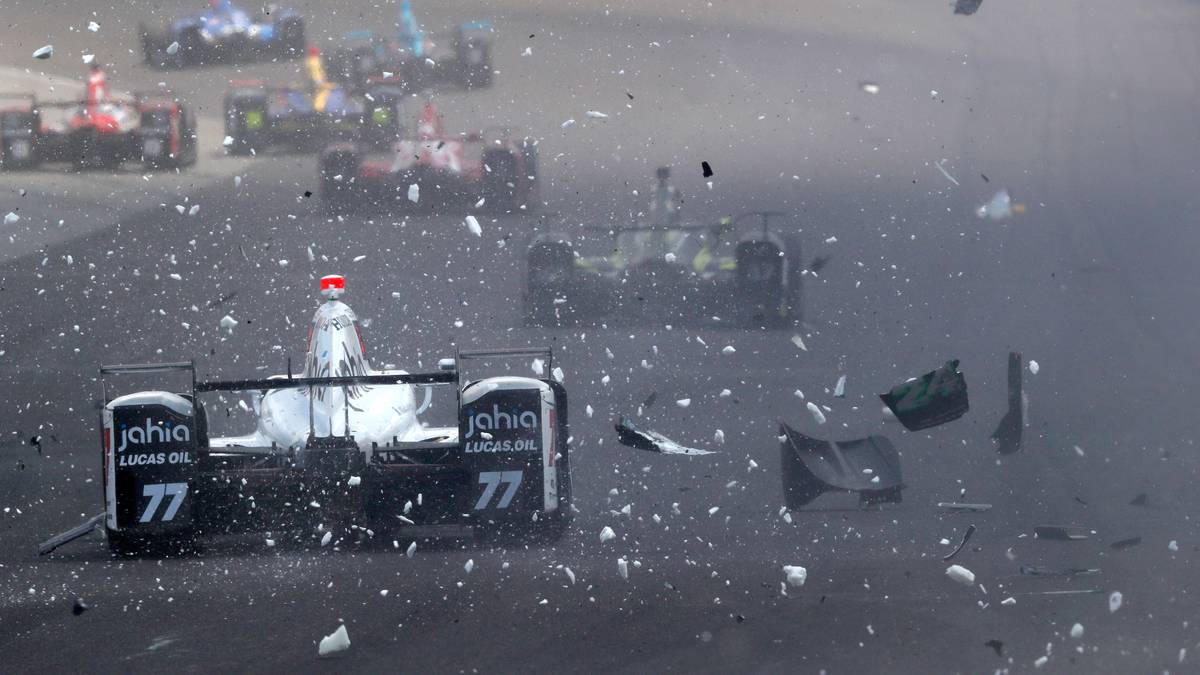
491 165
259 116
741 271
463 57
338 448
223 33
104 130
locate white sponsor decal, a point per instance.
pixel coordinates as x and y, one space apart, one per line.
499 420
152 433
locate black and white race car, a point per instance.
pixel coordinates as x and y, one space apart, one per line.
340 450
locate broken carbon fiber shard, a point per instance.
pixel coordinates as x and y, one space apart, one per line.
934 398
629 435
1012 426
812 467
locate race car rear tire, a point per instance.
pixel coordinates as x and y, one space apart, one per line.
291 37
19 152
154 50
244 139
191 48
499 184
764 298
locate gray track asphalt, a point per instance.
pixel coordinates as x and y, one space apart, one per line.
1086 111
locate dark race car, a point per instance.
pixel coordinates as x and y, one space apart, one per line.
493 165
463 57
223 33
101 131
744 271
338 450
259 116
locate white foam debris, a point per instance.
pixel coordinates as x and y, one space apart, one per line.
946 173
473 226
194 210
719 437
1009 601
1034 367
228 322
1115 600
354 481
228 142
728 349
479 204
799 342
179 209
816 412
725 393
537 366
596 115
338 641
831 240
1079 451
1041 661
570 574
88 58
93 26
412 550
327 537
683 402
752 465
10 218
869 87
713 510
998 208
961 574
607 534
237 181
383 593
414 193
173 48
43 53
270 543
360 258
470 565
568 123
1173 546
669 257
796 575
557 373
623 568
528 51
1077 631
933 93
839 390
589 410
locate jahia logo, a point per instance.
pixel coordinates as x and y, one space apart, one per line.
152 433
497 420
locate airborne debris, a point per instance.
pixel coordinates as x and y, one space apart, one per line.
999 207
228 322
79 607
1077 631
44 53
338 641
967 7
965 538
815 410
629 435
1114 601
173 48
799 342
473 226
961 574
996 645
1139 500
945 173
706 170
10 218
607 534
839 390
1057 533
869 87
811 467
935 398
958 506
414 193
596 114
1125 543
1009 432
1041 571
796 575
1033 369
623 568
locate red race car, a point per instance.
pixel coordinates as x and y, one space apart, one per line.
101 131
493 165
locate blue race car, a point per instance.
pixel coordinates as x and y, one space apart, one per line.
224 33
413 57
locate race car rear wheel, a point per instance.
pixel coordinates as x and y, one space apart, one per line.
191 48
245 124
18 134
154 49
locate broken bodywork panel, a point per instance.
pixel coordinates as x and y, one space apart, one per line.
811 467
934 398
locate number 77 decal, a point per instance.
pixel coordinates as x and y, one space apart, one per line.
492 480
156 492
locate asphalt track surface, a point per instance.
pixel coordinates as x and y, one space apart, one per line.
1086 111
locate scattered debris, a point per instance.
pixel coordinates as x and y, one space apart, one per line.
945 173
996 645
815 410
961 574
607 534
999 207
839 390
1057 533
1125 543
44 53
869 87
1139 500
967 7
1033 369
338 641
10 218
811 467
414 193
228 322
1041 571
596 114
623 568
796 575
958 506
1009 432
473 226
706 170
935 398
799 342
629 435
79 607
1114 601
1077 631
966 537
